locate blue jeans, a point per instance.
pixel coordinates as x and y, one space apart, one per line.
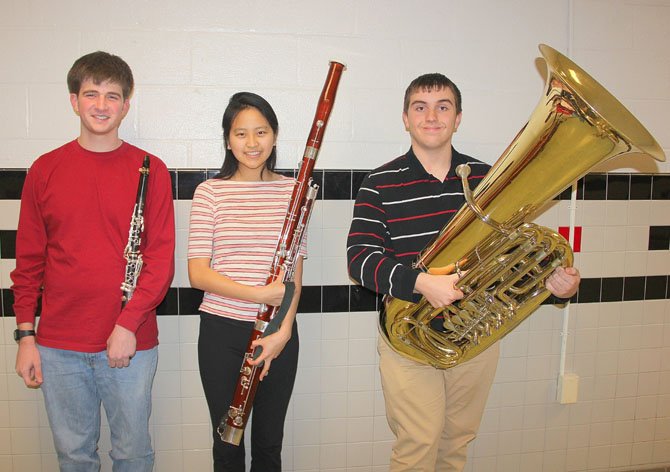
75 383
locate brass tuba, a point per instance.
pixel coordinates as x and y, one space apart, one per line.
502 256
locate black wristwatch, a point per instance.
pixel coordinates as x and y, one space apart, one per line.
22 333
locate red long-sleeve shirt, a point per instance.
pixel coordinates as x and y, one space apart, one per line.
75 215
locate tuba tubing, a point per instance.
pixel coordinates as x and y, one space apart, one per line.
577 125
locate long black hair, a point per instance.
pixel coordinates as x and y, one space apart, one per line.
238 102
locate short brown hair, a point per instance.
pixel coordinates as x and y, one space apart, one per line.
99 67
434 81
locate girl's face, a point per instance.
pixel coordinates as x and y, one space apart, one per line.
251 141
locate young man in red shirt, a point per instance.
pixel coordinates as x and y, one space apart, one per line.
74 224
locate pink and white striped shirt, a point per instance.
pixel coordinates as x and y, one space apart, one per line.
237 225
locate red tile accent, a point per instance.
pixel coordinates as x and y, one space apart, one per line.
565 232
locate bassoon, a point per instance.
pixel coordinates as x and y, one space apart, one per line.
132 251
231 427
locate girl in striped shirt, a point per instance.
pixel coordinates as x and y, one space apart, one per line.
236 219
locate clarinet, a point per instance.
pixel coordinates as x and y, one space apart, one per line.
231 426
132 251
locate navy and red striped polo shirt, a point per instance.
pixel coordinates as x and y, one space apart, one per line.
399 210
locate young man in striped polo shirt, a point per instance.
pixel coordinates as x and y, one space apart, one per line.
400 208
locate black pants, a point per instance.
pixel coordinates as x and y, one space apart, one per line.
221 347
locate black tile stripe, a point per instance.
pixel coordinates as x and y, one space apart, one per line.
618 186
337 185
334 298
7 302
640 187
173 178
657 287
310 299
353 298
362 299
595 187
170 304
189 300
187 181
611 289
659 238
589 291
566 194
633 288
344 185
660 187
7 244
357 181
11 183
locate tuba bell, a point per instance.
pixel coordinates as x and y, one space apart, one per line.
502 256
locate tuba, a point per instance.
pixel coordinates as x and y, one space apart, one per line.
503 258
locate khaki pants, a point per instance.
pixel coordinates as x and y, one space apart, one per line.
434 413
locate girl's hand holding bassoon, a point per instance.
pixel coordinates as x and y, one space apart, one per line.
272 346
272 293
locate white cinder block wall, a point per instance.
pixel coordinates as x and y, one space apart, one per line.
188 60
